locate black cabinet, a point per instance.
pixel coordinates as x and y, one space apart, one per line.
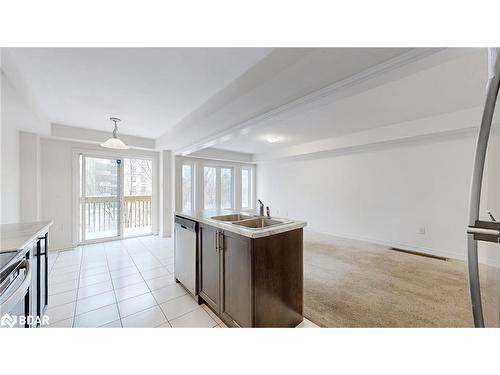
43 274
209 266
38 258
236 279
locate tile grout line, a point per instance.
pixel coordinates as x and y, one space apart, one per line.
150 291
198 307
126 248
53 263
77 289
114 290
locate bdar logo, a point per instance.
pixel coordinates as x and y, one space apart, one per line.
8 320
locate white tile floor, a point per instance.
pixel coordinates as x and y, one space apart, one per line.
128 283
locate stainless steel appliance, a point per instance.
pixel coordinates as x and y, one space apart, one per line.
15 282
482 225
185 253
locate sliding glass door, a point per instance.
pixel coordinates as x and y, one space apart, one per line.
100 198
116 198
137 197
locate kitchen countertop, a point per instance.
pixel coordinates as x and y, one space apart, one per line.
18 236
204 217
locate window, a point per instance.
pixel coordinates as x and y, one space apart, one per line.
210 187
246 188
187 187
226 188
138 177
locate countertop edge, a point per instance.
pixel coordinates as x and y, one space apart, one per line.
286 227
27 239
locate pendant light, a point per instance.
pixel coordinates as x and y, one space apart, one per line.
114 141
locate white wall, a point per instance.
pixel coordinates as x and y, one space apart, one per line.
30 189
387 194
16 114
166 192
10 191
57 184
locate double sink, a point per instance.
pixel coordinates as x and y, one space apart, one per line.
248 221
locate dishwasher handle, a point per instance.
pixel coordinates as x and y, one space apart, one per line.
186 224
21 290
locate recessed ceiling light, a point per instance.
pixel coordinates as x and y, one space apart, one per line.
273 139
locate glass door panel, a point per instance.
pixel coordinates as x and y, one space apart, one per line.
137 197
100 198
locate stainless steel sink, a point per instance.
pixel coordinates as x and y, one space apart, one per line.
231 217
260 222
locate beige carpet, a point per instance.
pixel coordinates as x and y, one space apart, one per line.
357 284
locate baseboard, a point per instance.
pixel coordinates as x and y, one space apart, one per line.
390 244
418 249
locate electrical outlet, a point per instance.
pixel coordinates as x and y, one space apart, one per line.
421 230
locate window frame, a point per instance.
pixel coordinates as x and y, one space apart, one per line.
198 184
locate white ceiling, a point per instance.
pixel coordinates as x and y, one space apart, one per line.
151 89
455 83
284 75
185 97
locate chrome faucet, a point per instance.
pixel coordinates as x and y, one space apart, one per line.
261 208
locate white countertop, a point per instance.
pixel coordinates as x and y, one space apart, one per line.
18 236
204 217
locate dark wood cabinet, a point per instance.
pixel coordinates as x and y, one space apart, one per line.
236 279
209 266
251 282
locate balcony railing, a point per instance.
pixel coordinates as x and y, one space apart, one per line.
137 211
101 215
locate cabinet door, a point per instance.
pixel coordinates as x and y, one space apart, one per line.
209 266
35 281
236 285
43 275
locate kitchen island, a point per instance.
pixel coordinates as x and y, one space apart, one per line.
248 268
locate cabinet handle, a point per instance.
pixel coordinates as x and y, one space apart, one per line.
221 241
216 241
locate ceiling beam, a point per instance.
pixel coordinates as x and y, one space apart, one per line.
437 126
336 89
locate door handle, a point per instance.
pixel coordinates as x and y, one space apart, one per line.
221 241
475 191
14 298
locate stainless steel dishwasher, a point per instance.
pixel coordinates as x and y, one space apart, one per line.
185 253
